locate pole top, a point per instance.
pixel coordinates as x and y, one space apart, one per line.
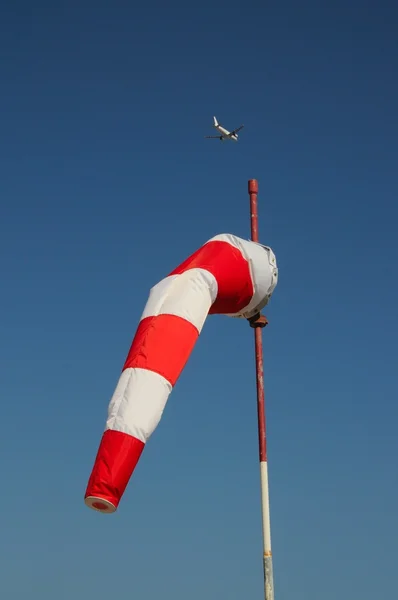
253 186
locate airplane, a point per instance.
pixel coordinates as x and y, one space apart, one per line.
225 134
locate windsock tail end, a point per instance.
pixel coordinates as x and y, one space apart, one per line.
117 457
99 504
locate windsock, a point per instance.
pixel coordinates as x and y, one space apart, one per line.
227 275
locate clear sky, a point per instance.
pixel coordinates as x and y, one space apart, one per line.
106 184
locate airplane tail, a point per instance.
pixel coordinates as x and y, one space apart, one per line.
215 122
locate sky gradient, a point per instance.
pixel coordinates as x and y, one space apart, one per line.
107 184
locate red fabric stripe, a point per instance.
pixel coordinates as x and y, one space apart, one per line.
116 460
162 344
231 270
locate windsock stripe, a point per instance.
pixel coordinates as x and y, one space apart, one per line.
162 344
138 403
231 271
116 459
188 295
264 279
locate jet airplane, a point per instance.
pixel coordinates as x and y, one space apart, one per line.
224 133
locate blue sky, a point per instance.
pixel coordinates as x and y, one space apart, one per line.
106 185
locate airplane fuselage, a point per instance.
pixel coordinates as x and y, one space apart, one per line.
225 133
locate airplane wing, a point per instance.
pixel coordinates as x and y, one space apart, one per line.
236 130
213 137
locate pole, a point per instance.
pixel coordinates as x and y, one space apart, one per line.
258 322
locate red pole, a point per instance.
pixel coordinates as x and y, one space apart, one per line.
258 340
258 322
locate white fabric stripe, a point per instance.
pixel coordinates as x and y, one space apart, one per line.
188 295
138 402
263 270
227 237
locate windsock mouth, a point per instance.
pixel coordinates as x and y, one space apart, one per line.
99 504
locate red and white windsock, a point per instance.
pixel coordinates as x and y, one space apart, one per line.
227 275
